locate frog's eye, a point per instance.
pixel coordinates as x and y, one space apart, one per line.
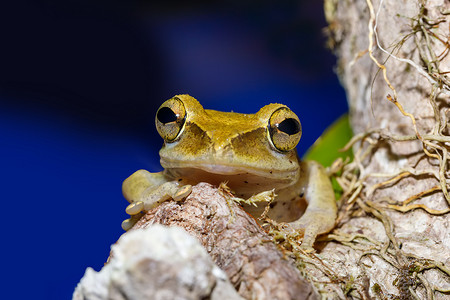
170 119
285 129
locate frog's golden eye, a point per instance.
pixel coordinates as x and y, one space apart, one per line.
285 129
170 119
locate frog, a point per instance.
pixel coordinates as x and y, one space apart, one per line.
252 153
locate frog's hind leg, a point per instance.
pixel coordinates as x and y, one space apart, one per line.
320 215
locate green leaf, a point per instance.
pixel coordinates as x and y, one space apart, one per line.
326 149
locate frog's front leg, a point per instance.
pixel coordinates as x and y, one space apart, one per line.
145 190
320 215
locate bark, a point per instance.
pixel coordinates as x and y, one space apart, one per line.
254 265
386 246
236 243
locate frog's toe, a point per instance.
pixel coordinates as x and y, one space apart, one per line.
129 223
307 232
309 237
182 192
135 208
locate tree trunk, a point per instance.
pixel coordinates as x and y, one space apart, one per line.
393 236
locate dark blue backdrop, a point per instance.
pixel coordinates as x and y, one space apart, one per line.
79 86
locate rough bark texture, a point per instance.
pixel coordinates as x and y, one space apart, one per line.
235 242
379 251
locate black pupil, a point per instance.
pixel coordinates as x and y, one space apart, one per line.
289 126
166 115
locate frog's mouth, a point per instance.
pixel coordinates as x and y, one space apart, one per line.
222 169
244 180
185 168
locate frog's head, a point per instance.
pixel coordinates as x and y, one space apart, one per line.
228 143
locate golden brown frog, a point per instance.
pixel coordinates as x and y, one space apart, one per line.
253 153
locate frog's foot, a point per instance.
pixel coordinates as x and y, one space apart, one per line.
152 197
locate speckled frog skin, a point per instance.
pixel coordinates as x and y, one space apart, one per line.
253 153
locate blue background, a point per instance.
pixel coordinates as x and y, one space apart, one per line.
80 83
